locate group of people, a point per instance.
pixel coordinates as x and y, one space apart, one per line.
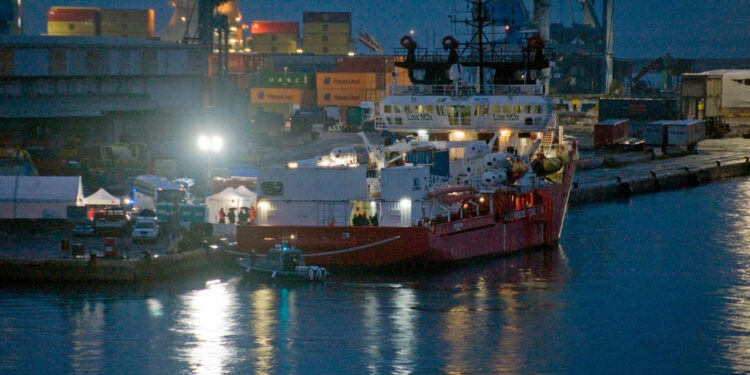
246 216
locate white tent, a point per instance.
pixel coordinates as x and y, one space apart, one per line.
101 198
39 197
248 196
226 199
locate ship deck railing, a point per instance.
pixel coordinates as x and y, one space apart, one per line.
464 90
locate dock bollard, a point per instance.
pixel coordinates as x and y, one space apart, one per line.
657 183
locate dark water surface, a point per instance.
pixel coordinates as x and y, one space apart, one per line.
659 284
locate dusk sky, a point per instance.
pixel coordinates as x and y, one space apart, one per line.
643 28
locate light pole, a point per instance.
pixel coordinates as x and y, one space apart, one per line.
210 144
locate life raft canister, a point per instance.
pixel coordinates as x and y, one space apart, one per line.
408 43
449 42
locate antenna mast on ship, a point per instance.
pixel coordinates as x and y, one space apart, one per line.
478 21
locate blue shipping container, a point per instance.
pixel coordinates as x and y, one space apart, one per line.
438 161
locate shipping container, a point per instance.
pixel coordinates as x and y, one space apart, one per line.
74 14
274 27
392 186
326 17
274 39
365 64
135 22
326 49
686 132
655 132
272 48
326 28
283 109
297 80
70 28
347 98
282 96
313 183
610 132
326 39
437 160
638 109
346 81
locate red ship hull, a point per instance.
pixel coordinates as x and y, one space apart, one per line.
520 229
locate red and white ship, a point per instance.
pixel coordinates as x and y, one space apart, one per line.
488 170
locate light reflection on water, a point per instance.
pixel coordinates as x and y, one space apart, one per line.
737 297
208 320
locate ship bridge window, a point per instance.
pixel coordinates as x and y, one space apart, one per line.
407 109
428 109
495 109
516 108
420 109
506 109
465 115
526 109
481 110
399 120
398 108
386 109
537 120
537 109
390 120
528 121
452 115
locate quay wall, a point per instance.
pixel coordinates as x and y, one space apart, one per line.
652 181
104 270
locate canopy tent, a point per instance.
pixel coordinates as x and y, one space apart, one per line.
226 199
249 197
101 198
39 197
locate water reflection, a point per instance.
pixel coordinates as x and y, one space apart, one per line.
404 336
87 331
738 296
208 317
263 306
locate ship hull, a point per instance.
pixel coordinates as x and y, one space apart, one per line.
367 246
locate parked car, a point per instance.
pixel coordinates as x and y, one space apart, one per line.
145 229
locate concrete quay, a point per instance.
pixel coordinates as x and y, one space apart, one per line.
715 159
104 270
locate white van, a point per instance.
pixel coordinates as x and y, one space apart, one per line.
145 229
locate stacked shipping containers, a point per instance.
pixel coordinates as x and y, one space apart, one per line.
82 21
327 33
73 21
279 92
128 23
349 89
274 37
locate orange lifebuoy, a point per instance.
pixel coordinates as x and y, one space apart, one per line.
408 43
450 42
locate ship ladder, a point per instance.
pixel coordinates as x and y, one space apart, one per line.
547 138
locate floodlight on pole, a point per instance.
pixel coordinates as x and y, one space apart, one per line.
210 144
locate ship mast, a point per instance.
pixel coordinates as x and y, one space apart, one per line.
479 20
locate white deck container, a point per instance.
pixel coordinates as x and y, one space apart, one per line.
398 183
686 132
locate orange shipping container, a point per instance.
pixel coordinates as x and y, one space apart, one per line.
282 96
346 81
347 98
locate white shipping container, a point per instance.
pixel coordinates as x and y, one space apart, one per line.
686 132
655 133
325 183
404 182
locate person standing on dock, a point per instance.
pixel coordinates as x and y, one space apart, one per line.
221 215
231 216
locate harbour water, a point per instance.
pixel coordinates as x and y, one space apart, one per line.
657 284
